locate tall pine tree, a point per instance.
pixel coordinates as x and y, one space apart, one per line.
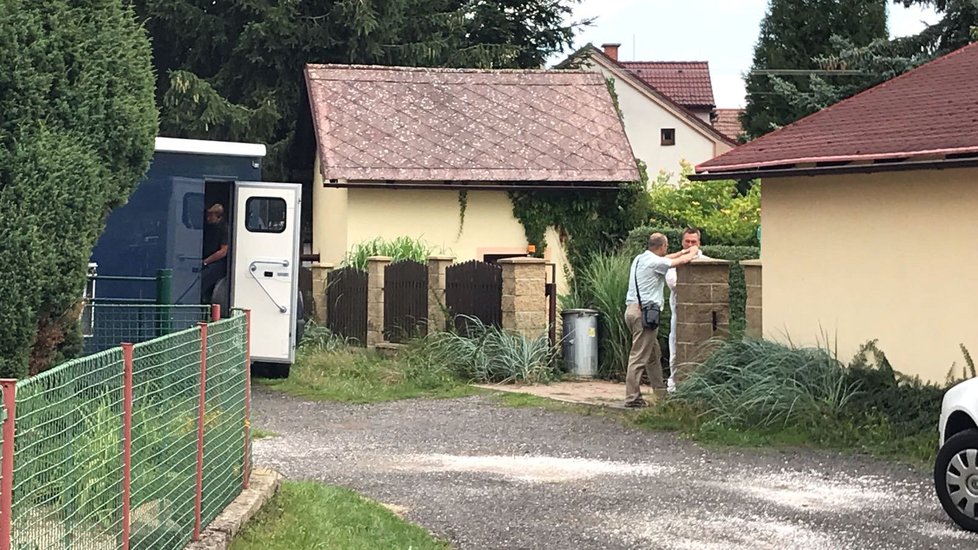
793 33
233 69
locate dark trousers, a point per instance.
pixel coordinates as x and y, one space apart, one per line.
209 277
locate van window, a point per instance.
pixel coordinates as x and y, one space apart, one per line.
265 215
193 210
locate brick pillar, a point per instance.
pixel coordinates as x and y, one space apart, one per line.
524 301
437 310
375 299
320 276
702 308
752 276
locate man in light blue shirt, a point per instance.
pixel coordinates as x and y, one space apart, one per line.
646 279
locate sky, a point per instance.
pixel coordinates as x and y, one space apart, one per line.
722 32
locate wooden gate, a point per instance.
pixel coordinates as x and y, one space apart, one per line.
474 289
405 300
346 303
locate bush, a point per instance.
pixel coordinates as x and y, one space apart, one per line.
727 212
76 134
489 354
401 248
755 383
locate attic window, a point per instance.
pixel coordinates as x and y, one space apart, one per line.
668 136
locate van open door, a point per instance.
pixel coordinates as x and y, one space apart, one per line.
265 265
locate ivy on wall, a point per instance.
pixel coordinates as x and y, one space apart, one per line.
586 221
463 203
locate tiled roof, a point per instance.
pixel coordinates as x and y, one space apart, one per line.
685 82
728 123
929 111
396 124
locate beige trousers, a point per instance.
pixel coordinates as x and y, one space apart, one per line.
645 354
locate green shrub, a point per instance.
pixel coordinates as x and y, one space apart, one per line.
756 383
318 339
726 211
401 248
489 354
76 134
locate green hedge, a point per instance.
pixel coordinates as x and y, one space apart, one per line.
77 123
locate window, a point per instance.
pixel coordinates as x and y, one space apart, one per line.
668 136
193 210
265 215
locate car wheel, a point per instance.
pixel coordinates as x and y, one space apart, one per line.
956 478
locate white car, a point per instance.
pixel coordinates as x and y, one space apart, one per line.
956 467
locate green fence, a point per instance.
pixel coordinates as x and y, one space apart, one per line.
69 453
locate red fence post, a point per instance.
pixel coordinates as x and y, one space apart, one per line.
9 387
126 442
247 399
215 312
199 496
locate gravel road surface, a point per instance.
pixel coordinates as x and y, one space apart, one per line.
485 476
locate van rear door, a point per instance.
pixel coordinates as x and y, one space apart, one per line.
265 265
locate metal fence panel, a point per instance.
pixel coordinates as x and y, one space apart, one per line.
166 383
224 415
115 323
67 489
346 303
69 448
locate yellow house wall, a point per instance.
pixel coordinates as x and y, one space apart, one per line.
891 256
344 217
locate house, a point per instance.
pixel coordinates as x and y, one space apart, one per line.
870 219
433 154
727 121
668 107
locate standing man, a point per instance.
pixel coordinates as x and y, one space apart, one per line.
215 251
691 237
646 282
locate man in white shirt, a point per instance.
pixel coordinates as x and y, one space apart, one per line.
646 283
691 237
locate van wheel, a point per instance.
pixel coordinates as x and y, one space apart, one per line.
261 369
956 478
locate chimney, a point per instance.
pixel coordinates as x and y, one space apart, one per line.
611 50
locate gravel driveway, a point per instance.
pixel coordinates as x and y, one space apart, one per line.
486 476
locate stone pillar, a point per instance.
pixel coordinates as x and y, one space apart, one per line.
752 277
375 299
524 301
437 309
702 308
320 277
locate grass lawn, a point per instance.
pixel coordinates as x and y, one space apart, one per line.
309 515
356 375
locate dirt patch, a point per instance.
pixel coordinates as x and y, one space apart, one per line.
585 392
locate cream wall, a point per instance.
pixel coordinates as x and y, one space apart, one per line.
887 256
644 120
345 217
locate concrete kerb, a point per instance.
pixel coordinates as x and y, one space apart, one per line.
219 534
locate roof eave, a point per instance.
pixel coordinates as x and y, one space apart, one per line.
794 171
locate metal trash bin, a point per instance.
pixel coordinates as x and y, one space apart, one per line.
580 341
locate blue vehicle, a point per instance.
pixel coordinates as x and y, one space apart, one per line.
161 230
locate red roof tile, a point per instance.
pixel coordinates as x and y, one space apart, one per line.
728 123
390 124
931 110
685 82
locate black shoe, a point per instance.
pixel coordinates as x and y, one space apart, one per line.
637 404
